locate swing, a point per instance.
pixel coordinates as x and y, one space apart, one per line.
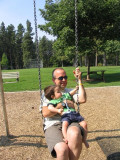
38 57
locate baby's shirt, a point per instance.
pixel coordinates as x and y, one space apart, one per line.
65 96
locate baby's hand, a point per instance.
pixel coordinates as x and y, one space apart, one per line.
65 140
60 110
77 87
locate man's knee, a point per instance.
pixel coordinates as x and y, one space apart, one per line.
61 149
74 133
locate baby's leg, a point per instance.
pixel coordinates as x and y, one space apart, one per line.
84 125
64 130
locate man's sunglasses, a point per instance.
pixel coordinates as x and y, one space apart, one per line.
61 78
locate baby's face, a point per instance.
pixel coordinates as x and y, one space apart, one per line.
57 93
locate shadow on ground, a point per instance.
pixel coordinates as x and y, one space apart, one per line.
15 141
110 145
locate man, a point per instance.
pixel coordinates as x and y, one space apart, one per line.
53 133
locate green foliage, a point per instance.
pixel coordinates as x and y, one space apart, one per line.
3 41
27 45
4 62
11 45
97 21
46 51
98 35
19 52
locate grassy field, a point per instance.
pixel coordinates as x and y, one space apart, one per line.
29 78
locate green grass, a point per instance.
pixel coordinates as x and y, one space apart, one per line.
29 78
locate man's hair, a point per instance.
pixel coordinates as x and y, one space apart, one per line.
53 76
49 91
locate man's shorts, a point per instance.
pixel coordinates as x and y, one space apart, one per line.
53 135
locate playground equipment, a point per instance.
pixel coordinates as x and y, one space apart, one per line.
37 51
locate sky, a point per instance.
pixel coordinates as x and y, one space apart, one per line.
19 11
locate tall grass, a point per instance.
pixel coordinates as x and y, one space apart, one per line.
29 78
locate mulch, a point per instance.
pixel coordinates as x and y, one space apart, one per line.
27 142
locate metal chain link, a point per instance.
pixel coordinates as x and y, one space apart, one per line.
38 56
76 48
76 35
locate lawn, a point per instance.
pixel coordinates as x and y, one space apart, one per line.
29 79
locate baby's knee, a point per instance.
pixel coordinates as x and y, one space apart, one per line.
83 124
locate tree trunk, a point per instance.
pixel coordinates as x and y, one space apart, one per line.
88 69
86 61
104 59
80 61
11 60
62 63
117 59
96 59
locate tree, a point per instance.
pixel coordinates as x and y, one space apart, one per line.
27 45
112 52
19 52
98 20
3 41
45 50
58 15
11 45
4 62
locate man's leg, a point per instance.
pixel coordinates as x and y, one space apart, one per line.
54 138
74 141
61 151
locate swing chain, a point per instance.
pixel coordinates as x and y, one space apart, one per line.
37 52
76 35
76 48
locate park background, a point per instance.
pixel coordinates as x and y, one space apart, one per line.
98 30
98 47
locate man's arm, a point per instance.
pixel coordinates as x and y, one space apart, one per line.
47 113
82 93
54 109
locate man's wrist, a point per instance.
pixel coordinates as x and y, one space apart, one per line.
80 82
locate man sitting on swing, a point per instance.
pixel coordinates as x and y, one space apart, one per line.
53 124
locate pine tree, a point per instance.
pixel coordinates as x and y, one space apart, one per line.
27 45
19 51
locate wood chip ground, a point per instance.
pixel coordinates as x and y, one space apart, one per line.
101 111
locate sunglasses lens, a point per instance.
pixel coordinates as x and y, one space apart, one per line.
61 78
65 77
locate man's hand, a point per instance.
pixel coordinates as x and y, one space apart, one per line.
77 73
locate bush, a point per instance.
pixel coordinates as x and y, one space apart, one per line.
4 62
100 64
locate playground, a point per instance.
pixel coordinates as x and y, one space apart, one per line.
27 141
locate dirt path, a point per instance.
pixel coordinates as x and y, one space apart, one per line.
102 113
